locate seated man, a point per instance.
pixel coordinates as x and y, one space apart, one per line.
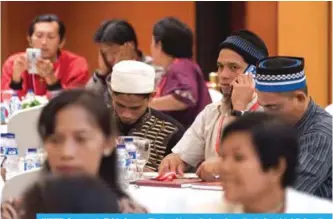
56 68
282 90
132 89
199 145
117 41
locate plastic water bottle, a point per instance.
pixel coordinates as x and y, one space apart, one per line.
123 163
3 139
11 151
130 147
4 112
15 104
30 96
31 160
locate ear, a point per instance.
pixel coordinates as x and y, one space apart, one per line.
300 96
279 171
151 96
29 41
158 45
62 43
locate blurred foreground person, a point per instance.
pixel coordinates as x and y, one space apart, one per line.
258 167
71 195
77 131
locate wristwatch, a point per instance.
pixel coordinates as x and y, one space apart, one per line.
238 113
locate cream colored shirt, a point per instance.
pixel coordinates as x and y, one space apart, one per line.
199 141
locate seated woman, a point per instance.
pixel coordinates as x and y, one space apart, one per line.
182 92
77 133
258 162
70 195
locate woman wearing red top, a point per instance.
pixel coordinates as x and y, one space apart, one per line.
57 69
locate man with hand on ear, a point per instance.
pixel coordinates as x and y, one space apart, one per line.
199 146
57 69
282 90
117 42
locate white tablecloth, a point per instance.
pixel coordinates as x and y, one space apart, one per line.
160 199
167 200
172 200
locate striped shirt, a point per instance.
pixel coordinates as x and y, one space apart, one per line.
315 139
163 131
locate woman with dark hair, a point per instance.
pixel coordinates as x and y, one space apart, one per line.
77 133
259 155
182 92
71 195
117 42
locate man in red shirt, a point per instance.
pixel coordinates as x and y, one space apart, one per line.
56 68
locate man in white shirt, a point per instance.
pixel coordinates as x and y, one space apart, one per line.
198 147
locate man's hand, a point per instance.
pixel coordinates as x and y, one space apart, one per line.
209 170
172 163
242 91
20 65
103 69
46 71
127 52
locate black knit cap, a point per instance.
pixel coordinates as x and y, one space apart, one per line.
247 44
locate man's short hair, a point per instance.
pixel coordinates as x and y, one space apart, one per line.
48 18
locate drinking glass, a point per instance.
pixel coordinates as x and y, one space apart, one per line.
142 153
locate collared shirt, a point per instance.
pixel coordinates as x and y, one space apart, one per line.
315 158
199 141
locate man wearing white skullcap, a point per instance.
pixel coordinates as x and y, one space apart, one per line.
132 87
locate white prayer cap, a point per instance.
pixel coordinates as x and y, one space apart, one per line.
133 77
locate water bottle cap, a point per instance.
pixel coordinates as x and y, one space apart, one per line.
32 150
14 94
30 91
121 146
128 139
11 135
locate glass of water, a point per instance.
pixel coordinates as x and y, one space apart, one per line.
142 153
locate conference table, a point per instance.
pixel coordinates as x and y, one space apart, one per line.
166 199
163 199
